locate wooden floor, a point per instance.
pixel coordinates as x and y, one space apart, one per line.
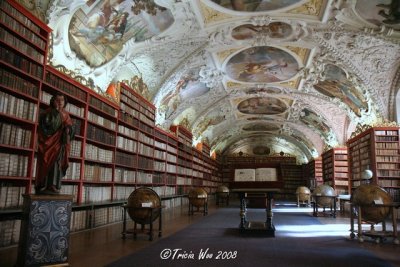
97 247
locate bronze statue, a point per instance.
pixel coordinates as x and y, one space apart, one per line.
55 133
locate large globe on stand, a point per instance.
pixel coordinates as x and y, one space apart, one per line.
223 191
140 198
368 194
325 194
303 193
197 197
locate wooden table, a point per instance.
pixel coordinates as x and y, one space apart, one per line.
135 231
377 235
266 228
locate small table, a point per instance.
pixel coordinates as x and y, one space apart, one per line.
135 231
266 228
378 235
315 205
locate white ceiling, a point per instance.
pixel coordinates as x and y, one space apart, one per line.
297 76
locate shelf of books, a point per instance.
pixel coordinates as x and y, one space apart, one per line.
292 175
378 150
23 53
335 169
313 173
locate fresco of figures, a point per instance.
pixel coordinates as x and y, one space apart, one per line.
262 64
337 85
262 106
255 5
380 12
275 30
311 119
186 88
99 29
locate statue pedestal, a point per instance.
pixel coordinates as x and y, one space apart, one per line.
45 227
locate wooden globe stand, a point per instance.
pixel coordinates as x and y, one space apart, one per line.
143 207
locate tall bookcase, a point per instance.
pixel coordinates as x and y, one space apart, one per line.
293 177
378 150
313 173
23 53
335 169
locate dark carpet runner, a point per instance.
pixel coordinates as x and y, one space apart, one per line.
216 241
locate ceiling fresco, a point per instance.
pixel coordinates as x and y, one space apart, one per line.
262 65
251 76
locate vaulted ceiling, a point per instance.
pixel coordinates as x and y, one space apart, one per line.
251 76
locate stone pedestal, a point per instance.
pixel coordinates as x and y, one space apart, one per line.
45 228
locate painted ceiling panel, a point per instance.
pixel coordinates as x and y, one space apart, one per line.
254 76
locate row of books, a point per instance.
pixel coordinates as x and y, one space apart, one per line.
124 175
73 171
21 62
17 107
13 165
142 137
388 166
97 103
97 134
127 131
107 215
386 132
65 86
13 81
145 150
126 144
97 173
15 135
160 154
125 159
392 158
382 147
387 138
70 190
9 232
93 152
389 183
76 148
92 194
21 17
22 46
93 117
11 196
22 30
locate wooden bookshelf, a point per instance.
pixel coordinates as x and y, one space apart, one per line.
335 169
293 177
23 53
378 150
313 173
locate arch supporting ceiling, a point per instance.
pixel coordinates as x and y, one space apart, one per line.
254 76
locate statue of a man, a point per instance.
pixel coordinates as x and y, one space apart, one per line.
55 133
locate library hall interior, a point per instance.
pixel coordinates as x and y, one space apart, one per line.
199 133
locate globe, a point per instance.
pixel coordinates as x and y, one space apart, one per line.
143 197
303 193
223 191
324 193
368 194
197 197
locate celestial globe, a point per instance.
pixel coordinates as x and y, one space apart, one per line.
303 193
140 199
324 193
368 194
197 197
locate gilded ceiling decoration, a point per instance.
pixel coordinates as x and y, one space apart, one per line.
261 77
